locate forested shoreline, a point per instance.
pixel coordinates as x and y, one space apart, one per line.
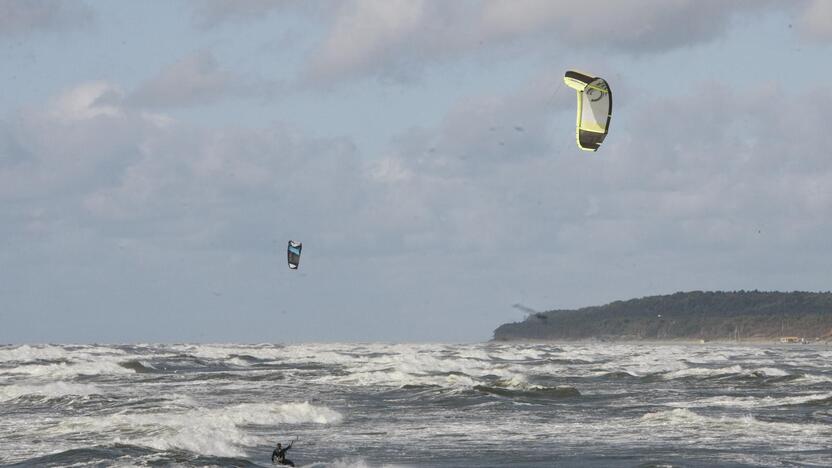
695 315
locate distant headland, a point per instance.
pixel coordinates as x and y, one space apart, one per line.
690 316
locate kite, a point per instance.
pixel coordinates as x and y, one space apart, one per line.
594 108
294 254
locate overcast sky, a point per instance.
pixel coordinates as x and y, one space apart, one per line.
156 157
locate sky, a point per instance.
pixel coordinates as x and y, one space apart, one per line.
156 157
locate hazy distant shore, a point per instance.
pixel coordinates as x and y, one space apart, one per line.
686 317
680 341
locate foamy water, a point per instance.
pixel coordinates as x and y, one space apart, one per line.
369 405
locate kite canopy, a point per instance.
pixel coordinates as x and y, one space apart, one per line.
294 254
594 108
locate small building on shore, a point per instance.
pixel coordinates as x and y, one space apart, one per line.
792 339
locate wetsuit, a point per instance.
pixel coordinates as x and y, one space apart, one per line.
279 455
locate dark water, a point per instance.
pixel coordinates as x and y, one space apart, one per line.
355 405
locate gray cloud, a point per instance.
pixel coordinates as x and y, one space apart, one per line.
113 212
51 151
643 26
717 199
397 40
816 21
711 182
107 201
194 80
123 170
212 13
42 15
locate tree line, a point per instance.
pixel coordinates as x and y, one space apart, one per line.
695 315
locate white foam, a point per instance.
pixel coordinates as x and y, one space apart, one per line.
238 362
519 382
214 431
349 463
32 353
28 353
679 415
224 351
703 372
68 370
50 390
814 379
751 402
745 426
208 418
771 372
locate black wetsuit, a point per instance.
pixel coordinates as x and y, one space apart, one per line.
279 455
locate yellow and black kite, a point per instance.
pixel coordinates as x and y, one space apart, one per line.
594 108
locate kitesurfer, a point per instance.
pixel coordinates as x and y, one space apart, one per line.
279 455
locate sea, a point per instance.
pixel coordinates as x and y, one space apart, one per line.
399 405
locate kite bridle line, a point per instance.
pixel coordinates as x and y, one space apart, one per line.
550 103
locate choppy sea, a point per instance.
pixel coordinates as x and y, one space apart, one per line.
368 405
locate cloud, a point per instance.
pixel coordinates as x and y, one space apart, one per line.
87 101
18 18
212 13
368 31
398 40
90 159
482 131
816 20
79 138
715 199
193 80
705 184
393 39
700 183
643 26
231 189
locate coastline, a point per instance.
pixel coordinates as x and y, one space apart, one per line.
694 317
669 342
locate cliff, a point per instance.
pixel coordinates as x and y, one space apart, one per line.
696 315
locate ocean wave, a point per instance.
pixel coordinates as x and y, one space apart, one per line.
816 400
735 371
218 431
614 374
87 456
244 360
814 379
68 370
349 463
127 455
740 426
534 392
756 402
138 366
49 390
686 416
35 353
29 353
219 405
391 377
215 431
